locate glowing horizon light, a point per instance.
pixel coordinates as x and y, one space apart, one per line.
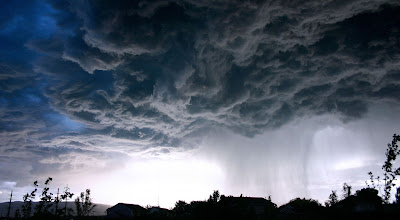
348 164
159 182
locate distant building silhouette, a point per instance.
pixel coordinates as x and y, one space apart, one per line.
123 210
158 212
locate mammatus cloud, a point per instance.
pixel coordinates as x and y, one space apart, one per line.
101 79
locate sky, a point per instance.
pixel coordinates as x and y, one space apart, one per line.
150 102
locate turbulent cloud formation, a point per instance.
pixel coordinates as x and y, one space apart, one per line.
177 67
102 79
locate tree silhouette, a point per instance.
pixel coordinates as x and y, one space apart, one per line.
389 175
46 199
9 206
333 199
346 190
305 205
214 198
180 207
83 204
27 198
67 195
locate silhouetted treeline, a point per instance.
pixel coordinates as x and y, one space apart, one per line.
366 203
52 206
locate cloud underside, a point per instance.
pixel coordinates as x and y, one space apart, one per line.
157 74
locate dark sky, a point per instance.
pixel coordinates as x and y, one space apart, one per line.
240 96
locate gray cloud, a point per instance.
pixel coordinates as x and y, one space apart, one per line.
143 78
248 67
132 27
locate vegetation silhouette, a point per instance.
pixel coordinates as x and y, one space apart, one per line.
27 198
346 190
333 199
367 203
47 207
390 174
83 204
46 201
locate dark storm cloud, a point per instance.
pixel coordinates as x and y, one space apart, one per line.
15 72
181 66
161 73
134 27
